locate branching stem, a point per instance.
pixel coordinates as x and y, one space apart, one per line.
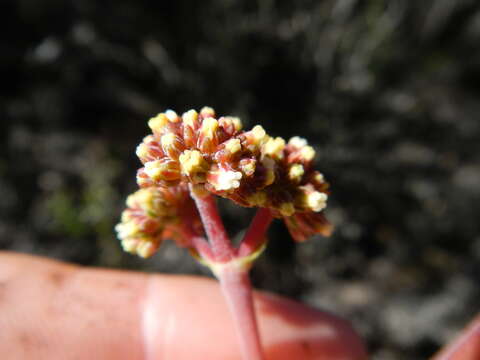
221 245
255 235
232 273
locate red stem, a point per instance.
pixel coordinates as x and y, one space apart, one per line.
197 242
213 225
237 290
233 277
256 232
202 247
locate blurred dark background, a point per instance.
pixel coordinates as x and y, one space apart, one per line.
387 91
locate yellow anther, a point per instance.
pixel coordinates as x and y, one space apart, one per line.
296 172
130 245
316 200
258 134
168 140
161 170
287 209
142 151
209 127
232 121
233 145
144 198
154 169
307 153
158 122
274 147
237 123
146 248
319 178
297 142
248 166
190 118
172 116
227 180
257 199
192 161
207 111
127 229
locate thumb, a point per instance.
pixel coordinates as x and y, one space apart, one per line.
51 310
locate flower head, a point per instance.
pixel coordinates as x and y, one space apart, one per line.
249 167
153 214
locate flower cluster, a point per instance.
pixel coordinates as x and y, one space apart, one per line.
249 167
155 213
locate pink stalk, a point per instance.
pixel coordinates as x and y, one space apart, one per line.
233 277
237 290
202 247
213 225
255 235
196 242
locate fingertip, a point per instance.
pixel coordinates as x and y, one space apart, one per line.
193 309
303 332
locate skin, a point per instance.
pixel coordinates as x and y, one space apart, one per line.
53 310
466 346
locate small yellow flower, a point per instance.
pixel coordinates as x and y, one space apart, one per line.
192 162
295 172
158 122
274 148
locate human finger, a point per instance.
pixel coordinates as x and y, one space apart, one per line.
54 310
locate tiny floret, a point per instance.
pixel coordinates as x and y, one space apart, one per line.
235 121
154 169
158 122
171 116
207 111
162 170
227 180
287 209
297 142
296 172
258 132
192 161
209 127
142 151
258 198
319 178
307 153
233 146
168 139
317 201
274 147
190 118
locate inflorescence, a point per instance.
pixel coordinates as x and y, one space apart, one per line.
215 156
